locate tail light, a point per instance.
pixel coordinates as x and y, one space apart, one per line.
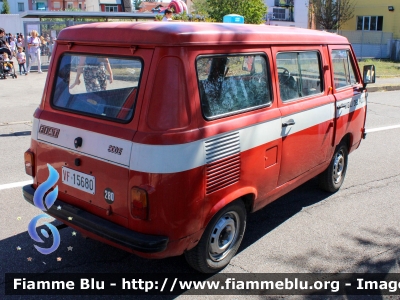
29 158
139 203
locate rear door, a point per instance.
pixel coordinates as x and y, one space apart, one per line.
350 98
87 127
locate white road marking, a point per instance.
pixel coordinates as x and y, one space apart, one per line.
14 123
382 128
15 184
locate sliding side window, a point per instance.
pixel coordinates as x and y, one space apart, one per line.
299 74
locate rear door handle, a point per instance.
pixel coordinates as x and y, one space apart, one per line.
288 123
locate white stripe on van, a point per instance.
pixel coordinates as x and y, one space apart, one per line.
35 129
163 159
308 118
94 144
182 157
350 105
178 158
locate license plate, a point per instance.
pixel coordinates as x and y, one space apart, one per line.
79 180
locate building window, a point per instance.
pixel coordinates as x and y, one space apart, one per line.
56 5
40 6
283 2
80 5
373 23
111 8
70 5
279 14
21 6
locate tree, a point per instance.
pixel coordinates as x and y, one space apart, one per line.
136 4
6 7
253 11
331 14
200 7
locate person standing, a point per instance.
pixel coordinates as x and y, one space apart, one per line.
167 15
3 40
34 50
50 49
19 42
94 73
21 57
42 45
13 46
21 36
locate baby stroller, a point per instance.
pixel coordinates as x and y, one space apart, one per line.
6 67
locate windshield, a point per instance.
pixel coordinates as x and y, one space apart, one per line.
102 87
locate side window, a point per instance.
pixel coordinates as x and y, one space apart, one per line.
299 74
343 70
231 84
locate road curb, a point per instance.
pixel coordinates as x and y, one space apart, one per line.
383 88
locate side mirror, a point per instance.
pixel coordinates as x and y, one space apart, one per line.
368 74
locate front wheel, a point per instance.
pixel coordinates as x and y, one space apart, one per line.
332 178
220 240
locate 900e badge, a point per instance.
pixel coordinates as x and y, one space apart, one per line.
115 149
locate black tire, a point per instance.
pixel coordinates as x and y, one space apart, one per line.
228 225
332 178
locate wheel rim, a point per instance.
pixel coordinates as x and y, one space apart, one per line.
223 236
338 167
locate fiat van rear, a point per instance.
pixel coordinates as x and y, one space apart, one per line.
166 135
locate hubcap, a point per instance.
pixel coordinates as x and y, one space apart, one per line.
338 166
224 236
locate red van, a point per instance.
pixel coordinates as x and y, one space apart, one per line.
166 135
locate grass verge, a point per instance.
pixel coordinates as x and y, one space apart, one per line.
383 67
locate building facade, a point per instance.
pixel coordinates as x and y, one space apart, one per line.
375 16
16 6
38 5
287 13
64 4
12 22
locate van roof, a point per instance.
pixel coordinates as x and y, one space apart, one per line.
193 33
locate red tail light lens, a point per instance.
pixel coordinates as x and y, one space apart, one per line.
29 158
139 203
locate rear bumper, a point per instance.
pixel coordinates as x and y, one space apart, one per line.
105 229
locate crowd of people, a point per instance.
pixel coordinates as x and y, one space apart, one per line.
33 46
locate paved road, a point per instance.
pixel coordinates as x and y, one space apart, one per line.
354 230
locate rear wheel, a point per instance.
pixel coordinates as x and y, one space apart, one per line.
332 178
220 240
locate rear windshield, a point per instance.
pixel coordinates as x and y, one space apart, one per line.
98 86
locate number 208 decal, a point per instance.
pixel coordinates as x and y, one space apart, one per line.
115 149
